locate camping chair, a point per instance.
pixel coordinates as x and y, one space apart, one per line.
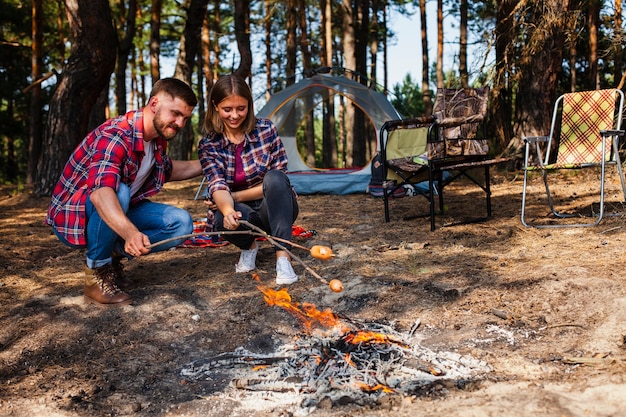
587 137
439 149
201 192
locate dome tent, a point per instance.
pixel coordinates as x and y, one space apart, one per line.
287 108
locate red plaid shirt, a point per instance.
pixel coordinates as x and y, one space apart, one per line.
110 154
262 151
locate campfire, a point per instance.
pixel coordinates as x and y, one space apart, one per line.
338 359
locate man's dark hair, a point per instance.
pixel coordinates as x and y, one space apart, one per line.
176 89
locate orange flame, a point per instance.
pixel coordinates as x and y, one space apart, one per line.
348 360
307 313
369 337
377 387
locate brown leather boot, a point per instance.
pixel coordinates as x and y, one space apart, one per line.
101 289
121 279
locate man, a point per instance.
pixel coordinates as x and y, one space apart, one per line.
101 200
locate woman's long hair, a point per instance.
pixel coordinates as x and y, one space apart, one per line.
227 86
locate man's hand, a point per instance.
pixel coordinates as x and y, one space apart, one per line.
105 201
136 244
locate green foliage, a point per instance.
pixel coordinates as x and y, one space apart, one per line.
318 126
14 75
408 99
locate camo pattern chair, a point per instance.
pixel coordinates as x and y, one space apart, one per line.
425 154
588 137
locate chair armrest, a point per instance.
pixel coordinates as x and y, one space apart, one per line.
536 139
423 121
457 121
619 133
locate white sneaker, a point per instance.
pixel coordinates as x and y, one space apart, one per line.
247 259
284 272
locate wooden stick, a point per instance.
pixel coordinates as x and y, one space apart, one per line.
192 235
502 314
279 246
288 242
256 231
226 232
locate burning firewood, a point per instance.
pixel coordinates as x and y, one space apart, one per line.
337 359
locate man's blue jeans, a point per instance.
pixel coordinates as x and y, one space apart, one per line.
156 220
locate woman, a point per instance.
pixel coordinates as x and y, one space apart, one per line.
244 161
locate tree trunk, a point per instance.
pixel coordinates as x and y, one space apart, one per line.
572 63
11 169
242 34
268 50
98 113
385 45
309 121
291 50
182 147
502 105
36 122
212 23
155 40
329 139
439 65
540 66
200 84
373 42
360 136
427 94
349 56
594 18
463 44
125 45
85 74
190 40
618 42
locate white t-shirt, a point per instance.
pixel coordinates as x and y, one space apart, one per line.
145 168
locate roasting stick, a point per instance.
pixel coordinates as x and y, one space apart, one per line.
226 232
255 232
192 235
273 241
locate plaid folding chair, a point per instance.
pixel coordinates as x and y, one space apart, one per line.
587 137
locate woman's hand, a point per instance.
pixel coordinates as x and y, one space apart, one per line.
231 220
210 204
224 202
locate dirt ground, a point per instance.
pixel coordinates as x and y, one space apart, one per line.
544 309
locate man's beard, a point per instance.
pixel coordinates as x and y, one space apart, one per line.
160 127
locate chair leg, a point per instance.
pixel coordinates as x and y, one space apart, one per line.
522 216
386 202
200 188
563 215
620 170
488 189
439 191
544 174
431 196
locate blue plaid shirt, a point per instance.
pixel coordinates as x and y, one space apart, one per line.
262 151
